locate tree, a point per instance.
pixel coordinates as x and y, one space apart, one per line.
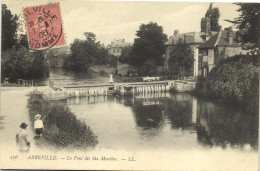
88 52
148 68
125 55
103 58
23 40
234 80
181 59
213 14
9 28
248 22
83 53
149 45
17 61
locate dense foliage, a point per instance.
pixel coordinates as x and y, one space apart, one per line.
22 64
149 45
248 22
125 55
181 59
9 28
61 127
213 14
234 80
88 52
17 62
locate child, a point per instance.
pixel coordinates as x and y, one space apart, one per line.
22 141
38 125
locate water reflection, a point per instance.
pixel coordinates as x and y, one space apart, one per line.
226 126
170 120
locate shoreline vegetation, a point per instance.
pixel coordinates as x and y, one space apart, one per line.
61 127
233 81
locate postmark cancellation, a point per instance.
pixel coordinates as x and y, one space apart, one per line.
44 26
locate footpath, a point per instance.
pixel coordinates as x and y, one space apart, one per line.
13 111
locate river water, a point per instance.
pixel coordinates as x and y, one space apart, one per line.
67 77
161 120
163 131
165 121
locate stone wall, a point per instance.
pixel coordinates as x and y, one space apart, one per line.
225 52
232 51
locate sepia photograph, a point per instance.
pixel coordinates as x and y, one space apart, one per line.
129 85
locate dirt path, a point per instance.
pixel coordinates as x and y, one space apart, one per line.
13 112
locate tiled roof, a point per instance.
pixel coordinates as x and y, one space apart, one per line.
174 39
119 43
210 43
220 39
192 37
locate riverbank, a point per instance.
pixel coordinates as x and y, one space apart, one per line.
62 128
13 113
233 81
169 135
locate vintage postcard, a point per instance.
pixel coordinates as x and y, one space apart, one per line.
109 85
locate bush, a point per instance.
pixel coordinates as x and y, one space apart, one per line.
62 128
148 69
233 80
21 64
103 72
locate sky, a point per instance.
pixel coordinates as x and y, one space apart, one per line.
120 20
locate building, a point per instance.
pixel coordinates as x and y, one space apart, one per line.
116 47
193 39
226 43
57 56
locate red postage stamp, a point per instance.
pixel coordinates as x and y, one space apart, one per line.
44 26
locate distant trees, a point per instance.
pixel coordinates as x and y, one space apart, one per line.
181 59
83 53
125 55
149 45
248 22
146 53
17 62
88 52
213 14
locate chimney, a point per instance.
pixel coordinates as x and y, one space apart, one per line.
176 32
205 25
230 36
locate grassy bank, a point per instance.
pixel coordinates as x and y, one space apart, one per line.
235 81
61 127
